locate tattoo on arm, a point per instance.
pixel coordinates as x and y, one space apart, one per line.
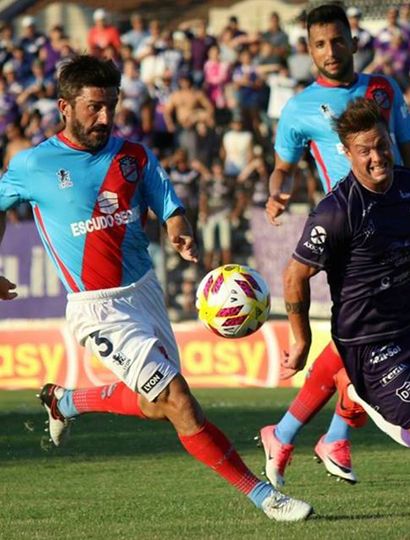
296 307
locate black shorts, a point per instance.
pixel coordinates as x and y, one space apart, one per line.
381 375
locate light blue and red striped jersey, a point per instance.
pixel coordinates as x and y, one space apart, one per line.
306 122
90 207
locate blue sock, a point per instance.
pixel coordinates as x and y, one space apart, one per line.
66 405
338 429
287 429
259 493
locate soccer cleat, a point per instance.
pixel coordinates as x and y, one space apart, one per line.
352 413
58 426
277 454
336 458
283 508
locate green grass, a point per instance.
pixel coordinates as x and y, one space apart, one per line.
121 478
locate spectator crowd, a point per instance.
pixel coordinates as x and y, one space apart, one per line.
206 104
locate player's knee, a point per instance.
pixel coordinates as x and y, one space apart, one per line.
180 407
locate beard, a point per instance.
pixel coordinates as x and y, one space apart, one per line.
92 139
344 70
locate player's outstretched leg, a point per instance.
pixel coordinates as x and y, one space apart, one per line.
201 439
397 433
206 443
333 447
63 405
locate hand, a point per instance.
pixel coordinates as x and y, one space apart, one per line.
294 360
275 206
6 287
185 246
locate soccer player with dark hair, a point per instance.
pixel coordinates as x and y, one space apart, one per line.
307 122
90 193
364 248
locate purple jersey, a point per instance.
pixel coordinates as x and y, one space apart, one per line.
362 240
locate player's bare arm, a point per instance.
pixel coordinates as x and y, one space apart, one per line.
180 235
296 284
280 188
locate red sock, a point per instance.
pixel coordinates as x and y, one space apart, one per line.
319 385
111 398
212 448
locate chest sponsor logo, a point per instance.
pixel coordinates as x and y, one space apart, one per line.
129 169
393 374
98 223
381 354
107 202
152 381
404 392
64 179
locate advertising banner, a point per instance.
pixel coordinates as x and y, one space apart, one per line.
34 353
23 261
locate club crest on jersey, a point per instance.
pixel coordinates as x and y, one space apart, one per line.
381 97
129 168
64 180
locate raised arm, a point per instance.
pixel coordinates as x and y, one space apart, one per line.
296 286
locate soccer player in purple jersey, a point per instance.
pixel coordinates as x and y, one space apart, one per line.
90 192
359 234
306 122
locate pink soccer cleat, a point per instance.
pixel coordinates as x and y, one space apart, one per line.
278 455
336 457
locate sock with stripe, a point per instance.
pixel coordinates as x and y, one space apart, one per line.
318 388
212 448
319 385
111 398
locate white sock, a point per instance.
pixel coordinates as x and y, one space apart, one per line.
397 433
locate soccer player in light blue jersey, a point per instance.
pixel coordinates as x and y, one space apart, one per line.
90 194
306 123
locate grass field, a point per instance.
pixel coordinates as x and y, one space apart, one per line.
121 478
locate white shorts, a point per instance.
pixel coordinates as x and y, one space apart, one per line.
129 330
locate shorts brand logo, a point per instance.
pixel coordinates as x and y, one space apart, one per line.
152 381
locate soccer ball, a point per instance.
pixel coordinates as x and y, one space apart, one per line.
233 301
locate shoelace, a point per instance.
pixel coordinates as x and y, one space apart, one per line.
279 499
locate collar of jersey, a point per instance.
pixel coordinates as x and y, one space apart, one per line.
69 143
328 84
